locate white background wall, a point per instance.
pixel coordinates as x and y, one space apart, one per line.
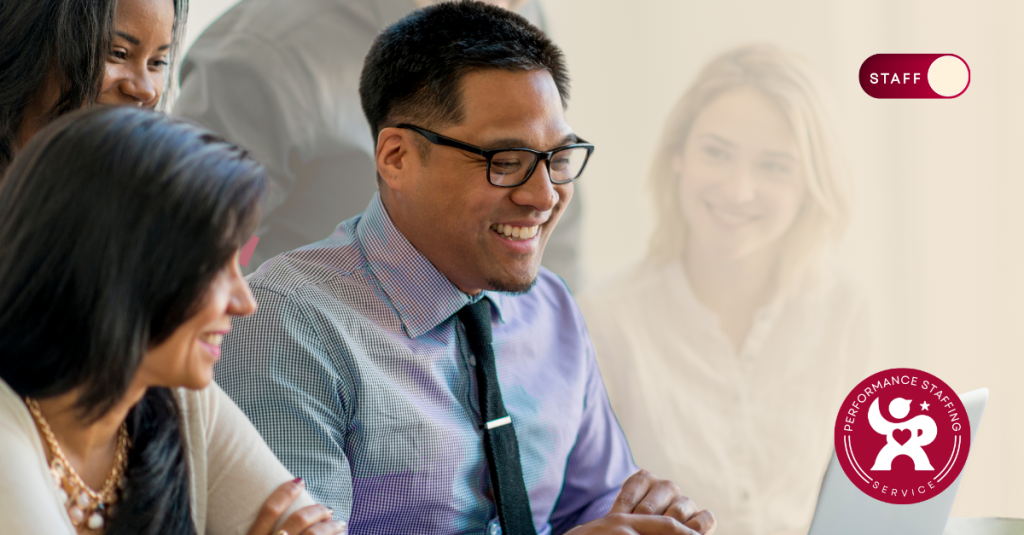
938 233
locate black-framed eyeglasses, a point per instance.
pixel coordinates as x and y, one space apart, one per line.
508 168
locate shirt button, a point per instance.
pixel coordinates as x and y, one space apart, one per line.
494 528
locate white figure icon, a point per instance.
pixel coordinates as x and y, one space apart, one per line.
904 438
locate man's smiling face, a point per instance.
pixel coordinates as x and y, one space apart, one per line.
443 202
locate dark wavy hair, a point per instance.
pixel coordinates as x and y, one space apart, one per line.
65 41
114 221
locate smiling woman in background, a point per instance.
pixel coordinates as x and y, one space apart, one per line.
59 55
728 349
119 276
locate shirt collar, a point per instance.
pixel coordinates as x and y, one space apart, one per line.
421 296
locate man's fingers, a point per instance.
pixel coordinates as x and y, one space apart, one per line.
660 496
633 491
656 525
702 522
682 509
647 504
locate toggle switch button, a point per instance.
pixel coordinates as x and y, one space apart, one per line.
949 76
915 76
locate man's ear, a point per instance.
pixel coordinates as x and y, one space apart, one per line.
396 156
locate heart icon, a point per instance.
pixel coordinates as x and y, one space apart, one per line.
902 436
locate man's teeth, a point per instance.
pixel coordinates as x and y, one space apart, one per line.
515 233
212 339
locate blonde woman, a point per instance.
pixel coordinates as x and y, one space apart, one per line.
728 349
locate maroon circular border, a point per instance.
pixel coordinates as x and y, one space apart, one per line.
865 479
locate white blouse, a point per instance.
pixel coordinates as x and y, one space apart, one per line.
232 471
746 433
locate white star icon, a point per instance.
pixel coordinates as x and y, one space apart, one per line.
924 405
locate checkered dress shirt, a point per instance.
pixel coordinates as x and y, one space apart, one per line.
358 375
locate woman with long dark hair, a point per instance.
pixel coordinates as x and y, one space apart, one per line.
119 238
57 56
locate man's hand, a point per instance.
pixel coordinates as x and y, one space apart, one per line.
626 524
647 505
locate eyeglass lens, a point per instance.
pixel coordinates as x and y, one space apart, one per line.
509 168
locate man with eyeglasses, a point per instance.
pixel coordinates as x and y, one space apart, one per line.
280 77
419 369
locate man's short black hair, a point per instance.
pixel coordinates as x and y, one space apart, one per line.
414 67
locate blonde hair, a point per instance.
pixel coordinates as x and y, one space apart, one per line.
786 80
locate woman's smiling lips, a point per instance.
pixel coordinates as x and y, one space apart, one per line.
211 341
728 217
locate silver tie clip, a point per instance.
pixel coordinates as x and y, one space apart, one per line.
499 422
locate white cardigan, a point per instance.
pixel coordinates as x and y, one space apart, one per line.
232 471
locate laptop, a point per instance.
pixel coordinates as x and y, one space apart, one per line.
844 510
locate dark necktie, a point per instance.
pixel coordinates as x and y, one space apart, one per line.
500 443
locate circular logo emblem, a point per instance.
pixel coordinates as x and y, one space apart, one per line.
902 436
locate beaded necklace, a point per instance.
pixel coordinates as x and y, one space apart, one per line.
87 509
